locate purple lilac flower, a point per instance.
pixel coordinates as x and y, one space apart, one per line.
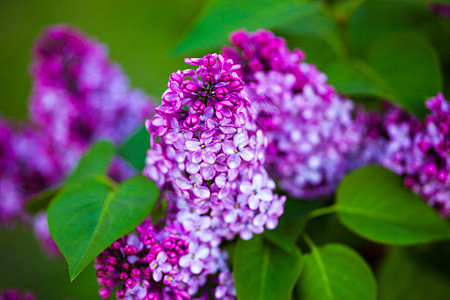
310 128
209 151
418 151
30 164
79 95
162 261
225 290
13 294
10 201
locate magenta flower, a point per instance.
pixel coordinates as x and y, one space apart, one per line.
160 266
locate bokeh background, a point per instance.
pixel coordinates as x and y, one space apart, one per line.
149 40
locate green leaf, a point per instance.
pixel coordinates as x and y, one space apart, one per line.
87 217
353 77
316 25
219 18
401 276
135 149
263 271
292 223
40 201
373 203
335 272
95 162
375 19
409 70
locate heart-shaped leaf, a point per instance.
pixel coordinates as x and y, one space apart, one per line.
263 271
87 217
335 272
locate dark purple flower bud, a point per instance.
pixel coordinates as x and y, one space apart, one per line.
209 61
226 76
108 281
155 249
111 260
150 257
189 86
147 273
100 273
123 276
173 258
130 250
221 93
115 245
192 122
149 239
168 243
126 266
135 273
104 293
430 169
109 269
120 293
130 283
198 107
236 84
208 77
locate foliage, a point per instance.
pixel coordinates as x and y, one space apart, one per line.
403 60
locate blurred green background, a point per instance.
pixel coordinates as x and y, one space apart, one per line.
370 50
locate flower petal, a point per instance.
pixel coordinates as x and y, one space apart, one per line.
246 154
201 192
234 161
193 145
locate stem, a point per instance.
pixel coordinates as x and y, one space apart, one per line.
309 241
322 211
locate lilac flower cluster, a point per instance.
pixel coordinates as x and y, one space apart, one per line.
160 263
79 97
13 294
421 152
210 154
24 172
311 129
